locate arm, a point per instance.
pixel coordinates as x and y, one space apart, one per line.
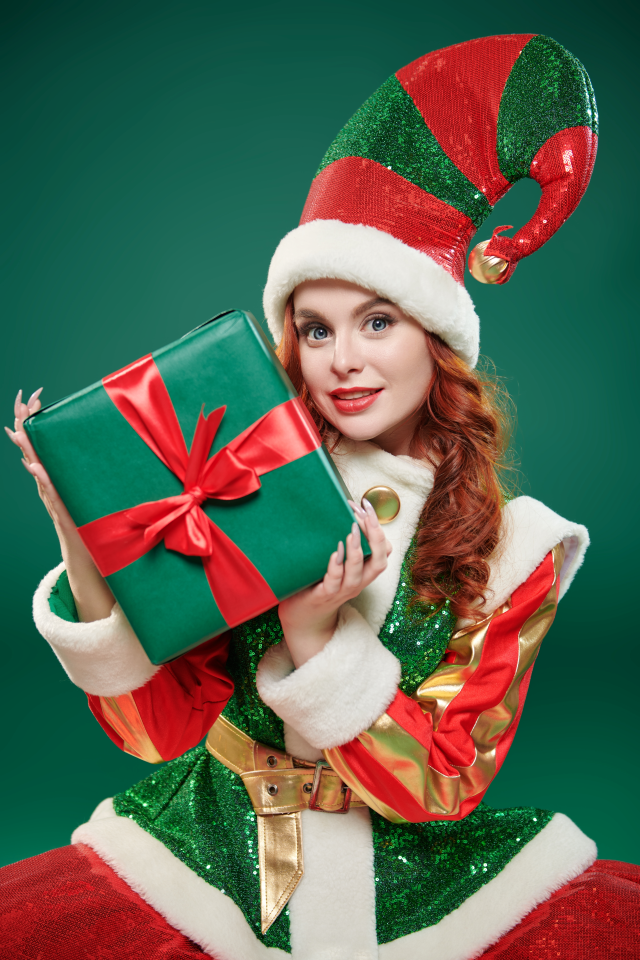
431 756
174 710
154 713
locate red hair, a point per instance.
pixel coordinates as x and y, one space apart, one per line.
463 431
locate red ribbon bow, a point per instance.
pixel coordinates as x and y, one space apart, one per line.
282 435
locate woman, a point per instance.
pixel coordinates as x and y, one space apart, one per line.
336 811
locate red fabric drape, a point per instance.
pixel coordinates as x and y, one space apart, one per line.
69 905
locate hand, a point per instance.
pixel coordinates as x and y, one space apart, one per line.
309 618
93 597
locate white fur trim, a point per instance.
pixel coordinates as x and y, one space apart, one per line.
201 912
364 465
556 855
530 530
337 694
104 657
376 261
332 911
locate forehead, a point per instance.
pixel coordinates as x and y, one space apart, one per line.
334 296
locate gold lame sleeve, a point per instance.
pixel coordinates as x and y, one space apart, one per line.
401 773
121 713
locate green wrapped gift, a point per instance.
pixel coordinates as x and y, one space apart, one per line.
197 480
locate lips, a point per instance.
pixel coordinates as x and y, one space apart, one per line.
356 399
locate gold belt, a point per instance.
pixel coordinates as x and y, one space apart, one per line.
279 787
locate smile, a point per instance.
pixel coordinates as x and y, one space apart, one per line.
355 399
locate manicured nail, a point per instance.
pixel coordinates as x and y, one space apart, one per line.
355 533
370 511
16 406
340 553
10 434
34 396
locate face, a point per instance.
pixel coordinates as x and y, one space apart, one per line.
366 364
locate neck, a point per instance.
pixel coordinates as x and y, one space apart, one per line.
398 439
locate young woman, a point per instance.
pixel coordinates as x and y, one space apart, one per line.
336 810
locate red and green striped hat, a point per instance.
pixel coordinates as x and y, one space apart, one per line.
418 168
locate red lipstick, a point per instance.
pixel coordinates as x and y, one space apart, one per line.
346 402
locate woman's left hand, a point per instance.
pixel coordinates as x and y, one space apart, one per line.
309 618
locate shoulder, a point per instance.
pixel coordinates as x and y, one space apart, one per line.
529 531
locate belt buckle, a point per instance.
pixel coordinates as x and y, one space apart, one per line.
320 766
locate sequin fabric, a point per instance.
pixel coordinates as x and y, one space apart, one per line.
201 812
423 871
438 144
547 91
417 633
245 709
389 129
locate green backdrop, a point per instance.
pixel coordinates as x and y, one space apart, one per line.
155 153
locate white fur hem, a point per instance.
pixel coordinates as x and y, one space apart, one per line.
333 910
104 657
201 912
336 894
559 853
376 261
337 694
530 531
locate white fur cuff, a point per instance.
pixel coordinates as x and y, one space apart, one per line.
104 657
338 693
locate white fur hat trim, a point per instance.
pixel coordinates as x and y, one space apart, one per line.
376 261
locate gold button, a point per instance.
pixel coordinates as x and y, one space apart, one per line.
385 501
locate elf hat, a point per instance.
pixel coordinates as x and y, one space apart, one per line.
407 182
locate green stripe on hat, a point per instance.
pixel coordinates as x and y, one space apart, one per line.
389 129
547 91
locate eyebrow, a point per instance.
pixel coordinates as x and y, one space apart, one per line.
313 315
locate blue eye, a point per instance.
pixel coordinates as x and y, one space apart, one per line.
378 324
318 333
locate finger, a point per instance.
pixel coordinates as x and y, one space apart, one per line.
380 547
17 404
33 404
50 494
354 561
332 581
22 440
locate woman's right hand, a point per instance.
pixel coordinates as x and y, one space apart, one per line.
91 592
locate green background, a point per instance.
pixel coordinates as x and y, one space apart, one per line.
155 153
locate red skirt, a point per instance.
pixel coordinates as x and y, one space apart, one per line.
69 905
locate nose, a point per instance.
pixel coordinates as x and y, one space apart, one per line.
347 356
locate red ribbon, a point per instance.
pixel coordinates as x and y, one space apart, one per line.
282 435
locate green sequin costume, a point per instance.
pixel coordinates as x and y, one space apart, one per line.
201 811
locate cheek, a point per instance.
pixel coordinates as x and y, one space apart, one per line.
410 367
314 369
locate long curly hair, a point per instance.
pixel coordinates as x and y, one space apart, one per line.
463 431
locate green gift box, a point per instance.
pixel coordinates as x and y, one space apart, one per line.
198 522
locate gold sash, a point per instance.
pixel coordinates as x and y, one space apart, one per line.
279 787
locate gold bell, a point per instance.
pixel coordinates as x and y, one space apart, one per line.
385 501
485 269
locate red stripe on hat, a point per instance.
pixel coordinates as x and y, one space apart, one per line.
457 90
360 191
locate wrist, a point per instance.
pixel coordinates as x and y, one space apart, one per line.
306 640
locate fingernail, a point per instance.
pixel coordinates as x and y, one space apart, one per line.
26 466
369 508
9 433
18 401
355 533
34 396
340 553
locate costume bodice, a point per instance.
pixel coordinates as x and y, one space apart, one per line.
415 632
